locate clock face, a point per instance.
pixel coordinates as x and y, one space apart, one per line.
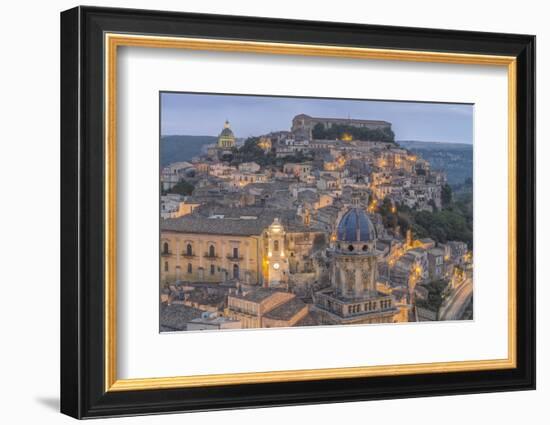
276 266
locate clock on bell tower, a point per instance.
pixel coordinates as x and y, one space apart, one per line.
277 262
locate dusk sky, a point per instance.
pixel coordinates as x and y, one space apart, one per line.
205 114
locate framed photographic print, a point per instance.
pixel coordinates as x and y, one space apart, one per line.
261 212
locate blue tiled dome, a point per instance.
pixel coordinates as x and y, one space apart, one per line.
355 226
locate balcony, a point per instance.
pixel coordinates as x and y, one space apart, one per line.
235 258
166 254
212 257
186 255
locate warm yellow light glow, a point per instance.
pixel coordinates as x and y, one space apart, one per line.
346 137
270 254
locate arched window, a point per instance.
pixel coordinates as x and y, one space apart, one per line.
189 249
276 246
211 251
165 247
189 268
166 266
212 269
235 271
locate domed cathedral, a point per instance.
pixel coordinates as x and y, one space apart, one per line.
353 297
226 139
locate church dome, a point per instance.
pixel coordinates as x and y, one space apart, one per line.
355 226
227 132
226 139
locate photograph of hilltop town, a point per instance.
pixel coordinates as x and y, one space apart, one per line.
287 211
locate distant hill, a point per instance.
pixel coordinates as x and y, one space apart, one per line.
417 144
182 148
456 159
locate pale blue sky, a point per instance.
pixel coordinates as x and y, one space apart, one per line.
204 114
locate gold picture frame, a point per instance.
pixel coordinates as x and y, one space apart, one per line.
114 41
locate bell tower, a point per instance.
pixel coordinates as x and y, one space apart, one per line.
277 262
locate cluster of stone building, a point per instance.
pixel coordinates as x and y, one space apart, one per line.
300 244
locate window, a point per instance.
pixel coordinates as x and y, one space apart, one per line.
235 271
189 250
211 251
212 269
235 252
166 266
189 268
165 249
276 246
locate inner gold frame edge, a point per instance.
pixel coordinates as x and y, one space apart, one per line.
113 41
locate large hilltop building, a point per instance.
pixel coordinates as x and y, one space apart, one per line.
302 124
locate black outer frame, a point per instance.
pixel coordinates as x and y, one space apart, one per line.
82 206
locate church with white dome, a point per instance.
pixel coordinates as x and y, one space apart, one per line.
353 297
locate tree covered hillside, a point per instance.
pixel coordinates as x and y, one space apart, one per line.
456 159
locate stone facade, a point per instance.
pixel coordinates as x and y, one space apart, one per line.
302 125
210 258
353 296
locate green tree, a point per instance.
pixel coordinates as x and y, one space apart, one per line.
336 131
318 131
182 187
446 195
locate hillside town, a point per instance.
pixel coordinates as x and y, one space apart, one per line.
304 227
